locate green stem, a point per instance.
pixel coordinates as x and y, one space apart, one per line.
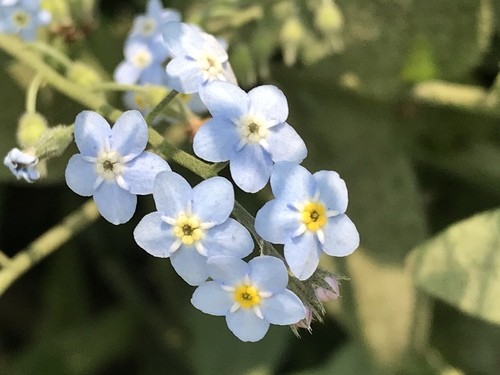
47 243
52 52
114 86
32 93
160 106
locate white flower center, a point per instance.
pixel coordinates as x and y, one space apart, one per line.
142 58
211 67
147 27
21 19
253 130
109 165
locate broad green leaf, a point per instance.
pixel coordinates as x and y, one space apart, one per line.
462 266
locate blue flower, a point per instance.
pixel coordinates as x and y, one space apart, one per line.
22 17
22 165
113 166
307 216
198 58
249 130
192 224
251 296
148 26
142 64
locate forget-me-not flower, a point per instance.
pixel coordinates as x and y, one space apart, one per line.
198 58
22 165
249 130
192 225
148 25
22 17
251 296
142 64
112 165
307 216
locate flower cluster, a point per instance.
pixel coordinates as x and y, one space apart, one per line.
22 17
192 225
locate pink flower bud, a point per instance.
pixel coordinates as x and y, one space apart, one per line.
306 322
328 294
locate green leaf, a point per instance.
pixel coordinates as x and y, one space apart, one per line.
462 266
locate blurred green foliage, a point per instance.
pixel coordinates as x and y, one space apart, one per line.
423 291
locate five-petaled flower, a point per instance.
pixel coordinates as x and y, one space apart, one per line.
113 166
198 58
307 216
22 164
249 130
22 17
192 225
251 296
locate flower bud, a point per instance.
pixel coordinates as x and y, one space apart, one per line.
306 322
23 164
291 36
328 17
54 142
330 292
29 129
82 74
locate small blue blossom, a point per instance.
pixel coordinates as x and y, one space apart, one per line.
142 64
249 130
192 225
307 216
198 58
148 25
22 165
113 166
251 296
22 17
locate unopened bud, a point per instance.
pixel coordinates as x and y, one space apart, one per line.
306 322
328 17
329 293
23 164
54 142
291 36
29 129
82 74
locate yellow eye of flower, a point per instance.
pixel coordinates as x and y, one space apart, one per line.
21 19
188 230
314 216
247 296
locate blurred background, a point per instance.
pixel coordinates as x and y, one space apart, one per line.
401 97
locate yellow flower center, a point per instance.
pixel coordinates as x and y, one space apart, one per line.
247 296
211 67
142 58
187 229
314 216
148 26
21 18
141 101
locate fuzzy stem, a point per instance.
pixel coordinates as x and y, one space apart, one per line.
160 106
32 93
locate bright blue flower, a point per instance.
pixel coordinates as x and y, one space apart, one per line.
307 216
142 64
198 58
22 165
251 296
22 17
192 224
113 166
249 130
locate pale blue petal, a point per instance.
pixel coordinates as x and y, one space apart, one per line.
169 15
216 140
171 193
227 270
190 265
30 5
130 134
182 39
268 274
276 221
269 102
302 255
285 144
154 235
341 236
283 309
140 173
115 204
333 191
184 75
211 299
229 73
292 183
213 200
154 8
246 325
81 175
229 238
225 100
154 74
251 168
29 33
127 73
43 17
92 133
